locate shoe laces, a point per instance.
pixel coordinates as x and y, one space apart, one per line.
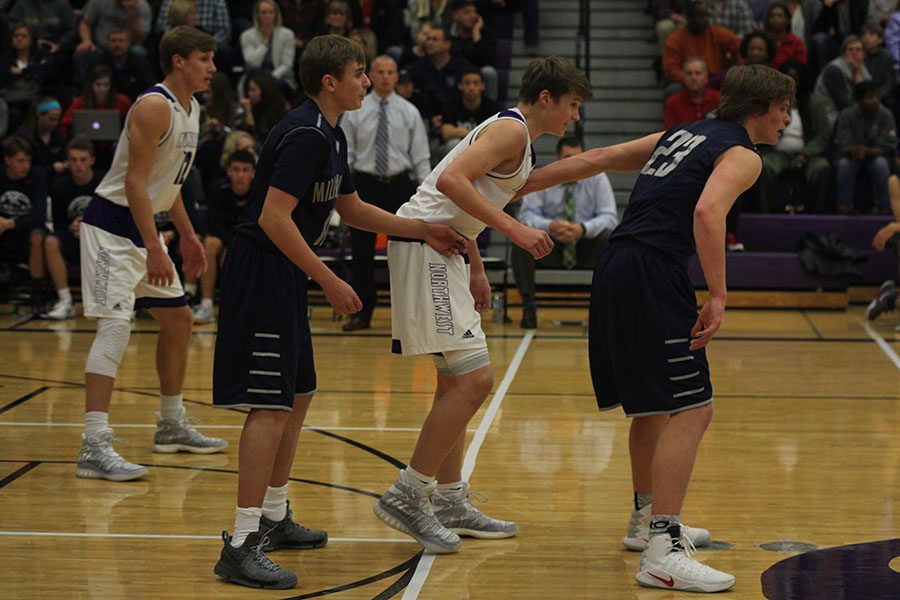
260 557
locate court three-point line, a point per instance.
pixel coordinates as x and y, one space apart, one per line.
424 567
885 347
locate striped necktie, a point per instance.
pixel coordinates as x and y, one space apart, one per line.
570 256
381 140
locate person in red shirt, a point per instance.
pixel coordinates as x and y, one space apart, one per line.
718 46
99 93
696 100
777 25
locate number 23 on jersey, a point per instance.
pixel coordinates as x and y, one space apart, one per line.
672 152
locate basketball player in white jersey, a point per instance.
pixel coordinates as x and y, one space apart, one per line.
436 300
125 265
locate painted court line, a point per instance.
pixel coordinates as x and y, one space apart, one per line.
149 426
424 567
161 536
881 343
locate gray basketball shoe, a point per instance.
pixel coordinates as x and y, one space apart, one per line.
456 513
98 460
288 535
638 533
177 434
410 511
885 301
249 566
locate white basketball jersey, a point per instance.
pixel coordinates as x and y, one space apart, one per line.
430 205
174 155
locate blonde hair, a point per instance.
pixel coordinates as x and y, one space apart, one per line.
231 143
274 5
179 11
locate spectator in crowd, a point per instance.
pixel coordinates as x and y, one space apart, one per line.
469 110
732 14
388 21
837 80
53 23
864 137
428 11
225 204
24 73
99 93
337 19
367 40
469 40
696 101
99 18
387 148
407 55
212 156
303 18
221 112
777 26
579 216
214 19
407 89
40 130
438 74
669 16
716 45
131 72
836 21
757 49
880 64
801 149
263 106
69 196
23 209
268 45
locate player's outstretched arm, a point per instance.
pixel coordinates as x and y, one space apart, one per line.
362 215
627 156
147 123
737 169
502 143
277 223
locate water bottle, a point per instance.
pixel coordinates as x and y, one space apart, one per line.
497 307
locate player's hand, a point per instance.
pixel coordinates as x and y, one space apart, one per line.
341 297
193 256
883 235
160 270
536 241
445 240
481 291
708 322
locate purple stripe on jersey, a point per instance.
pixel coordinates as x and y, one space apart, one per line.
147 302
160 90
510 113
112 218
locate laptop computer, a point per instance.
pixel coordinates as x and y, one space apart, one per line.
97 125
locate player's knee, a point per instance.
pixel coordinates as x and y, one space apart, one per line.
51 244
213 245
37 239
704 415
109 347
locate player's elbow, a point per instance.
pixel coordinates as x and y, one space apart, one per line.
446 183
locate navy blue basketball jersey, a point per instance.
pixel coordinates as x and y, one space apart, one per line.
661 210
306 157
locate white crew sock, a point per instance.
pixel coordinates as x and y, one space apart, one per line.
274 505
206 303
246 521
95 422
170 407
65 295
414 478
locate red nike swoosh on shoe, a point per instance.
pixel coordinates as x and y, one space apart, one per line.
670 582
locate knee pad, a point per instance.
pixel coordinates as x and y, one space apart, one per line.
108 347
460 362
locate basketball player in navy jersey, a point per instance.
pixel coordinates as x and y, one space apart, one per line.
125 265
647 341
264 357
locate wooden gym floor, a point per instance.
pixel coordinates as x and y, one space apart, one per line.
803 454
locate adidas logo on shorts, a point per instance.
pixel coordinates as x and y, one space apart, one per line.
468 334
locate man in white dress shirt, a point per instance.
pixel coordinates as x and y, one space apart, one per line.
387 148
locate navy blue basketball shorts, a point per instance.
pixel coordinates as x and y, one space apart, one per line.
643 307
264 353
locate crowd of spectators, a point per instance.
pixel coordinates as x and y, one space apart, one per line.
841 145
59 58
